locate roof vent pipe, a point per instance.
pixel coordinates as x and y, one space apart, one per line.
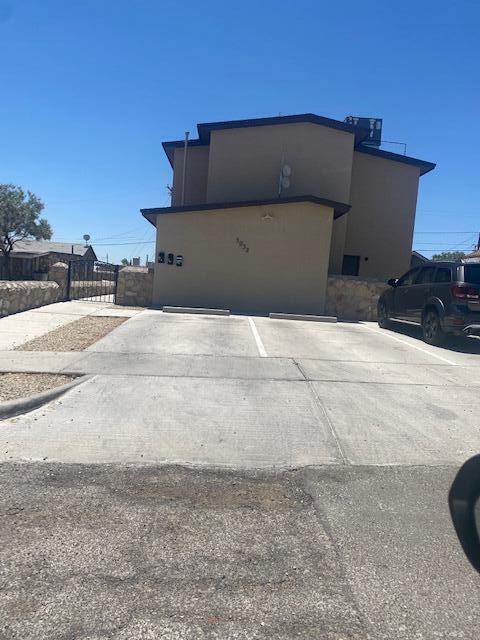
187 133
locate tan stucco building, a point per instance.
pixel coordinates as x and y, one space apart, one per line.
263 210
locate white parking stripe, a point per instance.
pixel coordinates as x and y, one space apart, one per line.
409 344
258 340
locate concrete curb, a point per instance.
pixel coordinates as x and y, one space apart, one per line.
299 316
211 312
12 408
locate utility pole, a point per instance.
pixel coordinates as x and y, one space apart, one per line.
478 242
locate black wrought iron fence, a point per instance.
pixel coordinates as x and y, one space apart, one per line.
92 280
19 269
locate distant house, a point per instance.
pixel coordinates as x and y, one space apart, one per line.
474 256
32 258
417 259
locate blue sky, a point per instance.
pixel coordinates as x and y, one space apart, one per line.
90 88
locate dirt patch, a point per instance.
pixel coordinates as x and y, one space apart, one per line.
75 336
22 385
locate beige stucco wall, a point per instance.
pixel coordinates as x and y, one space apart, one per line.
337 247
195 176
381 220
285 268
245 163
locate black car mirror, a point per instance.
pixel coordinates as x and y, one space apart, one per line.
464 503
392 282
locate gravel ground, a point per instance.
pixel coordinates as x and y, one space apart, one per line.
75 336
22 385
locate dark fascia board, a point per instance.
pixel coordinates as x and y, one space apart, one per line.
205 128
339 208
423 165
170 146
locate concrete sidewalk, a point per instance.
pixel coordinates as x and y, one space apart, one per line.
27 325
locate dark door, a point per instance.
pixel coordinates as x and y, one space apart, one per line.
400 294
350 265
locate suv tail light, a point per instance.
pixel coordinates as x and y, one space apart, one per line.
465 292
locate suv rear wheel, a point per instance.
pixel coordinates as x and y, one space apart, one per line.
432 328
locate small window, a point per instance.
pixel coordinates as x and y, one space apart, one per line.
443 275
425 276
408 278
350 265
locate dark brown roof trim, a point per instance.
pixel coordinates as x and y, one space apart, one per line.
339 208
170 145
424 166
205 129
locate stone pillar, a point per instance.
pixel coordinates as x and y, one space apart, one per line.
134 287
58 273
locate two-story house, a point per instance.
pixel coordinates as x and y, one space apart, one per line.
263 210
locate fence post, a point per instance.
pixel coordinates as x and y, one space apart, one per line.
115 284
58 273
69 279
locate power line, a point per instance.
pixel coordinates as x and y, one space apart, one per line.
122 244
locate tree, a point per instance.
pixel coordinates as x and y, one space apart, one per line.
20 219
449 255
125 262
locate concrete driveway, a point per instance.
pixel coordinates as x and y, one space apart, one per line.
255 392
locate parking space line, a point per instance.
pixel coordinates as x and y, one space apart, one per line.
409 344
261 349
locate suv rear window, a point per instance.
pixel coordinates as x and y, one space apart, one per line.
471 273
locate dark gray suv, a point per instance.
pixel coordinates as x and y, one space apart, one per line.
442 297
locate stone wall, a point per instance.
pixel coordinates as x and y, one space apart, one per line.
348 298
135 287
353 298
19 296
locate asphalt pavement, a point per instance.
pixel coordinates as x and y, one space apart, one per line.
133 553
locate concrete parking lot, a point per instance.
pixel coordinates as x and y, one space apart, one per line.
255 392
309 498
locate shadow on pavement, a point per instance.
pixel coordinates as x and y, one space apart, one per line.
453 343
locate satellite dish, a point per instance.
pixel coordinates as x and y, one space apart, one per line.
286 171
86 237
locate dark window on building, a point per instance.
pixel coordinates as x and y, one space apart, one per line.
350 265
443 275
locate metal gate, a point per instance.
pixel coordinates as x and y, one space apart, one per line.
92 280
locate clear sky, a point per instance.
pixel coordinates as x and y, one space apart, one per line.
90 88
